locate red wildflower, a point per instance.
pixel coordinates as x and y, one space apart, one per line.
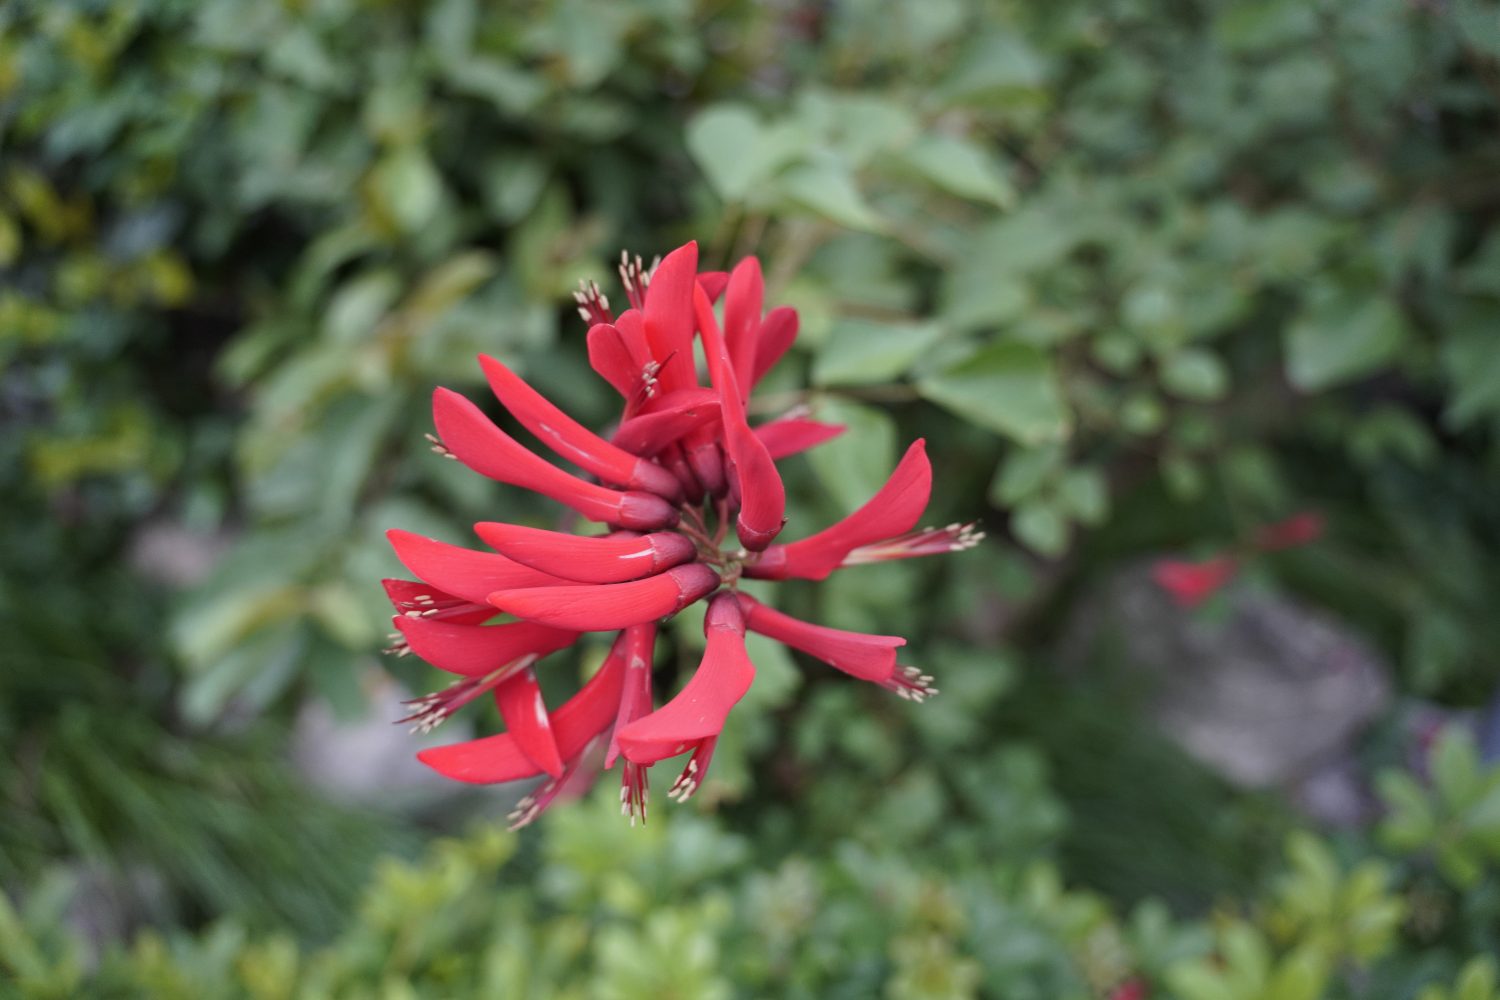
1299 529
682 466
1190 584
1134 988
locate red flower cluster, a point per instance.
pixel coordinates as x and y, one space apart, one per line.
683 463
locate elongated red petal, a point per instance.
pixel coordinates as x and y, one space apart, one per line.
892 511
669 316
520 702
635 697
611 605
570 439
701 708
669 419
606 559
794 435
868 657
762 495
475 650
777 333
489 451
463 572
742 306
499 758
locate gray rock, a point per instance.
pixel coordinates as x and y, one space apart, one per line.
1264 691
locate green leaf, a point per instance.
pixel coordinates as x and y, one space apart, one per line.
1195 374
407 187
1007 387
1340 336
854 465
1302 975
359 305
1084 495
1041 527
828 189
731 146
960 166
1455 767
861 352
1471 360
1478 980
1024 472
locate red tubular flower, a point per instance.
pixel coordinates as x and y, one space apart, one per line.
890 512
605 559
610 606
577 723
1190 584
465 573
489 451
475 650
868 657
762 496
635 702
687 463
694 719
572 440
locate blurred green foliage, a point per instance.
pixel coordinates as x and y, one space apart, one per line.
1146 274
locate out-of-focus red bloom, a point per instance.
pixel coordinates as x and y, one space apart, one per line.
1190 583
1299 529
682 468
1134 988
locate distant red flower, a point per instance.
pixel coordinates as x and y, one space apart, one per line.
682 467
1189 583
1299 529
1131 989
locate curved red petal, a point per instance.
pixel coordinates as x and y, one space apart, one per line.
611 605
610 358
606 559
519 699
778 331
475 440
669 316
868 657
743 302
499 758
635 696
463 572
699 711
794 435
892 511
476 650
762 495
570 439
